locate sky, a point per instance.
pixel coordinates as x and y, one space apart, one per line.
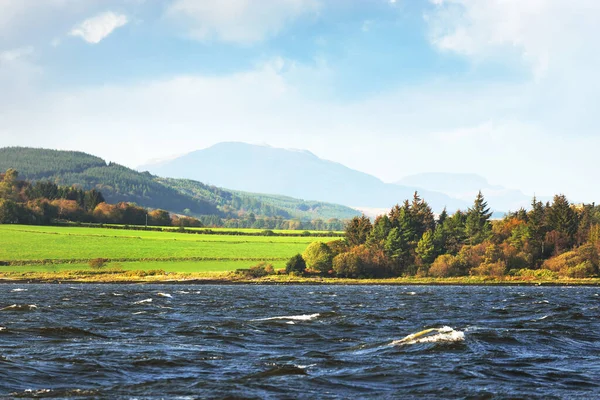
508 89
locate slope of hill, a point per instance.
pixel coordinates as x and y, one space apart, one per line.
295 173
466 186
118 183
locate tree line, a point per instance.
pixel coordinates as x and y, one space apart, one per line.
45 202
556 239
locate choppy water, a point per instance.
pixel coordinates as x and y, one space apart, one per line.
170 341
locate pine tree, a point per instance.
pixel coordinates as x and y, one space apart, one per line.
426 248
536 230
443 216
422 216
561 218
478 227
358 230
381 229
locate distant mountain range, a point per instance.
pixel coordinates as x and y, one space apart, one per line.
118 183
295 173
465 187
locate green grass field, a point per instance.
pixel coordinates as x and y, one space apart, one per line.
243 230
71 247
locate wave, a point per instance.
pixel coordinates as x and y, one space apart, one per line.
160 294
433 335
20 307
66 331
143 301
304 317
19 290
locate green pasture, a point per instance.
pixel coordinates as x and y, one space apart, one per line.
170 266
70 247
242 230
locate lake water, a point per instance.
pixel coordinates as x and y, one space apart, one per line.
204 341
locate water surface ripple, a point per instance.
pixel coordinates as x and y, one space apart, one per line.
204 341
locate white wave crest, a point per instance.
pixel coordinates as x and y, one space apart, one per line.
160 294
143 301
305 317
19 290
19 307
434 335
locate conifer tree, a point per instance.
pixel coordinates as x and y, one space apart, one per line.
358 230
381 229
478 227
561 218
426 248
422 216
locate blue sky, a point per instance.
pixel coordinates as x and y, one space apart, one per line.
504 88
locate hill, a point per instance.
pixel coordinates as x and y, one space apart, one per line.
119 183
295 173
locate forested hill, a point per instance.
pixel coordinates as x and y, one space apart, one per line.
118 183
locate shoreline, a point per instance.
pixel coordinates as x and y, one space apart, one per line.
301 281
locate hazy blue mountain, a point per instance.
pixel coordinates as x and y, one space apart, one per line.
296 173
466 186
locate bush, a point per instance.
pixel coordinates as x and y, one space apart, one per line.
445 266
362 261
496 269
348 265
97 263
318 257
583 270
579 263
257 271
295 265
535 273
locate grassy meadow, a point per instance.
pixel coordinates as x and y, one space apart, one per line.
47 249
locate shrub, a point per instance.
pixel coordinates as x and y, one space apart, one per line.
97 263
496 269
295 265
348 265
444 266
362 261
257 271
318 257
583 270
338 246
535 273
581 262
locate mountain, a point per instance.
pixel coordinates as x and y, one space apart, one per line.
466 186
118 183
296 173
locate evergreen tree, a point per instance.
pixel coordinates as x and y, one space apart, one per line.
422 216
426 248
562 219
443 216
381 229
478 227
358 230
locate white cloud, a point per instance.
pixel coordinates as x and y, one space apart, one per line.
94 30
440 126
546 34
240 21
10 56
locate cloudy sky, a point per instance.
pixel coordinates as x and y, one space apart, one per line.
508 89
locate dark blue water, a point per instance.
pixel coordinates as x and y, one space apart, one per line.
133 341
